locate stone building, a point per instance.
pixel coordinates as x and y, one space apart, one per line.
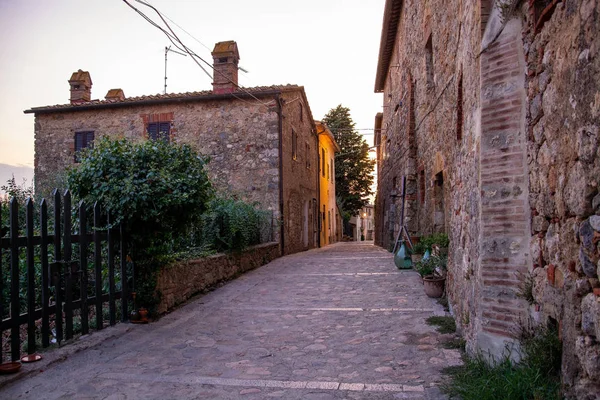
490 131
261 141
328 206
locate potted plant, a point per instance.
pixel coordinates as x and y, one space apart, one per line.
433 273
439 244
418 250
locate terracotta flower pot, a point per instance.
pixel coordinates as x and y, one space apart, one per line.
434 286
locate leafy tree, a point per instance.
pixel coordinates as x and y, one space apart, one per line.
353 167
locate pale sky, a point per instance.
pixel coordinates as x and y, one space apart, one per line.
328 46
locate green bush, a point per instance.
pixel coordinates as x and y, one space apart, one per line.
232 225
153 186
158 190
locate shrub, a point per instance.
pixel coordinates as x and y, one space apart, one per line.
158 190
153 186
231 224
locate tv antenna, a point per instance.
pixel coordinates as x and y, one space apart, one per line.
167 50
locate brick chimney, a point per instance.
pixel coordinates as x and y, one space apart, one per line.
225 62
81 87
115 94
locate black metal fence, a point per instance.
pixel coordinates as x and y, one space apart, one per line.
62 280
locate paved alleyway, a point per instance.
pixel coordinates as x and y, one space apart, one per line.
335 323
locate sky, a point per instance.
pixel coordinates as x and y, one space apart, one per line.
328 46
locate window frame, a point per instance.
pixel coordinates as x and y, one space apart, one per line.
86 143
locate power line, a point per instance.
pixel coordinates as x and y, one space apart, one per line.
180 45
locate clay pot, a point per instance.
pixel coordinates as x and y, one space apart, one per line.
434 286
143 315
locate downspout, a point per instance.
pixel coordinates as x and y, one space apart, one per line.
318 192
281 224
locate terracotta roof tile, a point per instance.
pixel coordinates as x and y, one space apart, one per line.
193 96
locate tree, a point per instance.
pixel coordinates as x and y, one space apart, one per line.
353 167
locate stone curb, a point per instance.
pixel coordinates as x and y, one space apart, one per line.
68 349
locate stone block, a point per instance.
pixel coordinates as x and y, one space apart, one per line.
590 315
588 353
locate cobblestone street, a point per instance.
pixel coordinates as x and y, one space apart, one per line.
335 323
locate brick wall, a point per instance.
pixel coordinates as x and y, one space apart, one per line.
504 189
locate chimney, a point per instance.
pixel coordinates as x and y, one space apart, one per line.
225 62
115 94
81 87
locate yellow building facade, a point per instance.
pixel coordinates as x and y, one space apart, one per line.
328 225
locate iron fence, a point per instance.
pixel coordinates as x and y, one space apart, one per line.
62 280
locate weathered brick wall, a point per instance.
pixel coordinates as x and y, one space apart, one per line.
240 137
504 246
300 195
180 281
563 90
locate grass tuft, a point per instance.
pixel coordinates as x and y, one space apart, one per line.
444 324
536 377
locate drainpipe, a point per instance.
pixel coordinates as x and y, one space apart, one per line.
318 193
281 225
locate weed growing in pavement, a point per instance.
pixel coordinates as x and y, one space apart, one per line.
443 301
455 343
536 377
444 324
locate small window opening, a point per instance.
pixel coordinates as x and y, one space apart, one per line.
429 62
459 109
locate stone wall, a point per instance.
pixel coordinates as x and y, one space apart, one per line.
425 138
240 137
491 113
300 193
180 281
563 89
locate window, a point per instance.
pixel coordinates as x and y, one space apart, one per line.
301 113
332 169
459 109
323 162
82 141
294 145
307 155
159 131
429 63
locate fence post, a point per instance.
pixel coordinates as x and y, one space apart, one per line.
111 274
98 266
124 286
83 258
45 280
57 262
1 286
67 261
30 278
15 305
